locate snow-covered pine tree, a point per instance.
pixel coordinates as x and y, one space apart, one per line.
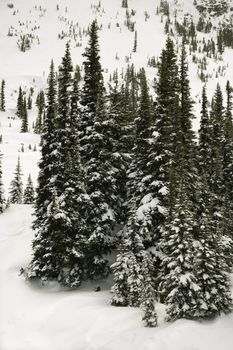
179 281
162 147
138 172
128 279
228 164
2 96
29 193
46 261
204 146
148 293
40 102
2 199
119 157
24 116
20 104
96 156
209 263
16 187
74 202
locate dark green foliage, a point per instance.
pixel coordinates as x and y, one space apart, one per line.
16 188
179 281
40 103
96 156
148 293
20 104
44 265
2 96
24 116
29 193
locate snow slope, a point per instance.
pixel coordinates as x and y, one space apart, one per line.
47 318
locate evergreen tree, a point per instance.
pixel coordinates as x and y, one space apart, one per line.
40 102
148 293
162 147
96 155
127 268
2 199
20 104
29 102
2 96
209 263
74 202
204 148
228 149
29 193
24 126
16 187
46 262
179 282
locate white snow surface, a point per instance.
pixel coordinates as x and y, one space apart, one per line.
35 317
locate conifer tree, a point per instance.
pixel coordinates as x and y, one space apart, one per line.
20 104
24 126
180 283
96 152
74 202
2 199
148 293
2 96
46 262
40 102
204 148
16 187
228 148
29 193
161 149
127 271
29 102
119 157
209 263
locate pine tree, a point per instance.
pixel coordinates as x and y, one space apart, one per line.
2 96
40 102
119 158
74 201
204 147
179 282
162 147
29 193
96 152
16 187
20 104
46 262
128 277
29 102
24 116
2 199
148 293
143 131
228 159
209 263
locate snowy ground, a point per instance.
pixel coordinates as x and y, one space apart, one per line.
47 318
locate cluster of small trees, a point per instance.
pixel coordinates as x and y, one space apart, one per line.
17 195
119 171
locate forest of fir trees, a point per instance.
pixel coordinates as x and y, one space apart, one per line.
123 172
